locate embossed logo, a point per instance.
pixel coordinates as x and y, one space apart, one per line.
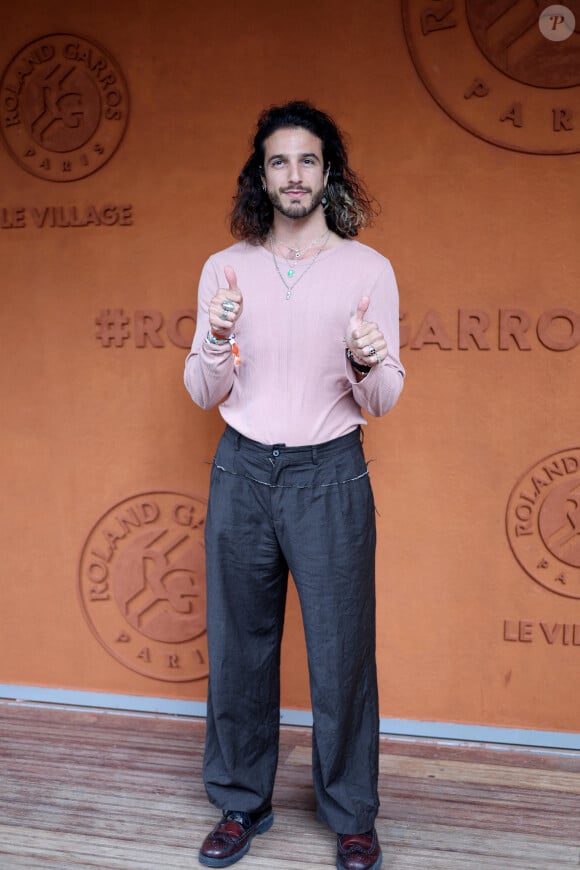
543 522
142 585
64 107
508 71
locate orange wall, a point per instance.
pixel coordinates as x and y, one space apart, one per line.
93 433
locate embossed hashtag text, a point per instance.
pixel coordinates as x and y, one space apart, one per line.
113 327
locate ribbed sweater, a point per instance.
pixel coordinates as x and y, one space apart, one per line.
295 385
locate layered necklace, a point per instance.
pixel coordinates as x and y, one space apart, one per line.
297 254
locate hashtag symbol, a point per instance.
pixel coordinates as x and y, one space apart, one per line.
112 327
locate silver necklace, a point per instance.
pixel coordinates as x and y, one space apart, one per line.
289 289
298 253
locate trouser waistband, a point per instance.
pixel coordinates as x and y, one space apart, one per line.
315 450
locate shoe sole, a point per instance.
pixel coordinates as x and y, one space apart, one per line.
261 828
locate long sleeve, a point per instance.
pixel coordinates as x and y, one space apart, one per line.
209 368
379 391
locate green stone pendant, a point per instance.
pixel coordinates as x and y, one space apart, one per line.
290 273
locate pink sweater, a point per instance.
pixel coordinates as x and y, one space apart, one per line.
294 385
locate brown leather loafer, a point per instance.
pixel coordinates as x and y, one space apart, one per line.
359 851
230 839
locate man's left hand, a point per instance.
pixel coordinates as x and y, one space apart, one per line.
364 338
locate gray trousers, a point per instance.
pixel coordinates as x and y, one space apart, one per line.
309 510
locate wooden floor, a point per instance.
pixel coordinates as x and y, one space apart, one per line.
118 792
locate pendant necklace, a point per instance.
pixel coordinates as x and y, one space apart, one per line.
291 272
297 253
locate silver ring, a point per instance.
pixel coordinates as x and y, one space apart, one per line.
228 305
371 350
224 315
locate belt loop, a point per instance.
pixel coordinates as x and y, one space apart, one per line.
314 455
238 439
361 434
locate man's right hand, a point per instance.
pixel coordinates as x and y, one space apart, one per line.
222 320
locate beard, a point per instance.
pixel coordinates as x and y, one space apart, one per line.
296 210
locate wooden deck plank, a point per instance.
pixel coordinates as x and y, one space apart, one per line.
506 849
464 771
123 792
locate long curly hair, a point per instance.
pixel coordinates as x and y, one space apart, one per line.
349 207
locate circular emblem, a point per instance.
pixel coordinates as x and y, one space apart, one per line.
543 522
142 585
507 71
557 23
64 105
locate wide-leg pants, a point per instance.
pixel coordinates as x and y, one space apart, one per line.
309 510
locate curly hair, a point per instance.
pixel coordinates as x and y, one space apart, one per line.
349 207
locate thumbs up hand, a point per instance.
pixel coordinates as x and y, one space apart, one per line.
364 339
358 317
226 306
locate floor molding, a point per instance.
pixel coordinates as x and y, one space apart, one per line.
400 728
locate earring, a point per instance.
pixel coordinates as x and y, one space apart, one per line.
324 202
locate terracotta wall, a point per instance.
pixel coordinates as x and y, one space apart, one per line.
107 215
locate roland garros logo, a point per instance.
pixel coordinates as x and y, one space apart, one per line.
508 71
64 107
543 522
142 585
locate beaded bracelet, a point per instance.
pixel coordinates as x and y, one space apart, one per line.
212 338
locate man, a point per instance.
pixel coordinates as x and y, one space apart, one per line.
297 331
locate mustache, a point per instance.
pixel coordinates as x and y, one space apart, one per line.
296 187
